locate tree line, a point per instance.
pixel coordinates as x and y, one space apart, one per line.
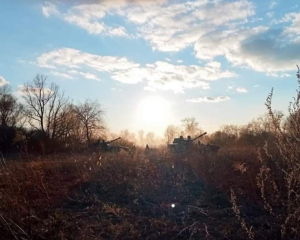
44 119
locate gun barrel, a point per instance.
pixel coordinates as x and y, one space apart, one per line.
113 140
200 136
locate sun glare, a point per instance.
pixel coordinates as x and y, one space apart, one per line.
153 113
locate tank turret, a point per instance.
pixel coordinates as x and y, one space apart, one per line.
182 146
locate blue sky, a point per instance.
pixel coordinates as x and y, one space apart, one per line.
214 60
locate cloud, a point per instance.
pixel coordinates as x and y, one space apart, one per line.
166 76
76 59
241 90
63 75
278 75
119 31
176 26
180 61
89 17
262 49
268 52
214 28
225 42
168 26
23 90
3 81
157 76
270 14
273 4
294 19
256 86
49 9
209 99
222 13
85 75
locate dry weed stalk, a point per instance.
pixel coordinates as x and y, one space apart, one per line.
283 201
235 208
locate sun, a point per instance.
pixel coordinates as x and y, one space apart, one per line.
153 114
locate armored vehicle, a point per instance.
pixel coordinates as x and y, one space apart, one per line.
106 146
184 146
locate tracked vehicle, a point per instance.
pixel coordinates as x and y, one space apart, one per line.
184 146
106 146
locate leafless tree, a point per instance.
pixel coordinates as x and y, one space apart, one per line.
141 137
191 126
90 114
11 112
170 133
150 138
43 105
128 136
69 129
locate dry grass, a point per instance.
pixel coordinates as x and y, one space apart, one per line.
116 196
92 196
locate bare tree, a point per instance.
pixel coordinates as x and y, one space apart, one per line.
170 133
11 112
191 126
90 114
141 137
43 105
150 138
69 129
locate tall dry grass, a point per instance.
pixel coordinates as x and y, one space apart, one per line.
263 184
235 194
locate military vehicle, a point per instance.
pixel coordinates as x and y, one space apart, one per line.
106 147
184 146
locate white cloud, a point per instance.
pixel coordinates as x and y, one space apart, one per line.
63 75
85 75
267 52
157 76
85 23
180 61
168 59
22 90
215 28
168 26
294 18
225 42
262 49
270 14
256 86
222 13
272 4
241 90
119 31
166 76
278 75
176 26
49 9
75 59
209 99
3 81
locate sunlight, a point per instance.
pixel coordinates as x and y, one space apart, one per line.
153 113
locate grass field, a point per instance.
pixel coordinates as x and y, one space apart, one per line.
117 196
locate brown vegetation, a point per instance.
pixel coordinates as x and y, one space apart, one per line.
248 190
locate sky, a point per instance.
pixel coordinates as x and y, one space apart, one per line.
152 63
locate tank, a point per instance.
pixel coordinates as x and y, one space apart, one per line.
106 146
182 146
